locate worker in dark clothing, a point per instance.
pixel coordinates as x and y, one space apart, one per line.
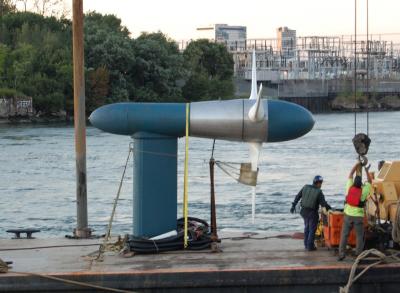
311 198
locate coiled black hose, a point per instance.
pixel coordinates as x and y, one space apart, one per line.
198 232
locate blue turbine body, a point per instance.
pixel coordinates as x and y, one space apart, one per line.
215 119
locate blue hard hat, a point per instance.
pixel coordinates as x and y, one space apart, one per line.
318 178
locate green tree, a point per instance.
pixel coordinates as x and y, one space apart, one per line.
39 58
210 68
4 53
108 45
158 69
36 60
22 58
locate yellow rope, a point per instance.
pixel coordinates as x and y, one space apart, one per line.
185 179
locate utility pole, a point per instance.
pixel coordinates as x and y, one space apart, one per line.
82 230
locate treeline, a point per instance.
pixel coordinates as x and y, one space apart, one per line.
36 61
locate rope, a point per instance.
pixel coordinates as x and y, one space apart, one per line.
367 70
51 246
229 165
66 281
355 67
380 257
103 246
3 266
185 179
158 154
212 152
155 245
230 174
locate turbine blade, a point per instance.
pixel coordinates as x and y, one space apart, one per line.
254 153
253 94
256 112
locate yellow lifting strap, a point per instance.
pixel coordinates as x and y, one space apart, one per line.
185 179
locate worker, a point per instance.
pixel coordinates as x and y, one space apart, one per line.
356 194
311 198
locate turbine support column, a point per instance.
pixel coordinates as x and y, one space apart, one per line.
154 184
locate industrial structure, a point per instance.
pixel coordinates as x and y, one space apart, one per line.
316 57
289 57
303 68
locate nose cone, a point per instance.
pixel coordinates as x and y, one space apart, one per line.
130 118
110 118
287 121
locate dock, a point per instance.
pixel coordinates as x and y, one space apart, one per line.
255 263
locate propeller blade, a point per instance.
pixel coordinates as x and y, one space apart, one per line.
253 94
256 112
254 152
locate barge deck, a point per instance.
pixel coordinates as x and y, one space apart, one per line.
257 263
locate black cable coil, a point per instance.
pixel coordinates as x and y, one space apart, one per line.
198 233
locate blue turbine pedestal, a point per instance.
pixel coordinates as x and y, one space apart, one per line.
154 184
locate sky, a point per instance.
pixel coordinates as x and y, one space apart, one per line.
179 19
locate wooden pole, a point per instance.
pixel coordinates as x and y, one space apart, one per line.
214 234
82 230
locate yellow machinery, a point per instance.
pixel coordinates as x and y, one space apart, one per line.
383 204
385 192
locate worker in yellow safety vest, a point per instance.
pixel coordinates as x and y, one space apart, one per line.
356 195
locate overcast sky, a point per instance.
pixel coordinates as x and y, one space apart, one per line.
179 19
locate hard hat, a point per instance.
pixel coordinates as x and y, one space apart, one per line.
318 178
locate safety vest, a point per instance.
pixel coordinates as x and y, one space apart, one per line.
309 197
353 197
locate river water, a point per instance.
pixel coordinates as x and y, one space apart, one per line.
37 175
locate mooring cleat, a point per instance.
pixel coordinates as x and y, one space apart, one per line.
18 232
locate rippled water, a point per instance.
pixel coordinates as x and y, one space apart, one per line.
37 175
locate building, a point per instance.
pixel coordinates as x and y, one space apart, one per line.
321 58
15 106
286 41
233 37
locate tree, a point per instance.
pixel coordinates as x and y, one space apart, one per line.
4 53
38 58
36 61
55 8
97 88
22 58
158 69
211 71
109 46
7 6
